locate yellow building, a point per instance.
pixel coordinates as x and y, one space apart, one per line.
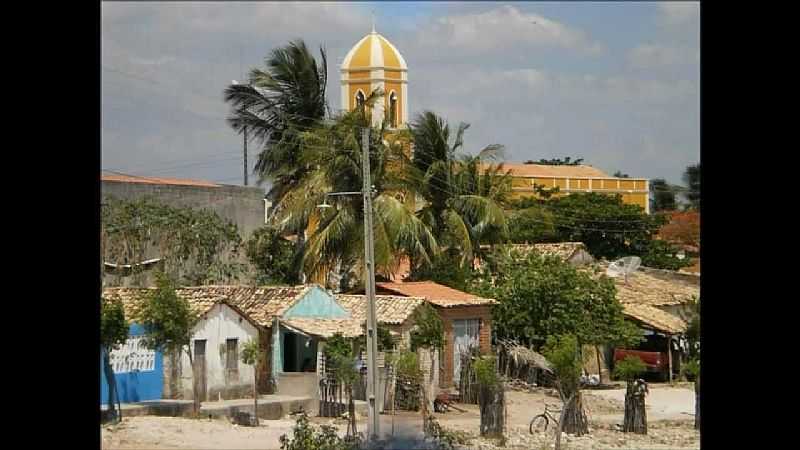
371 64
581 178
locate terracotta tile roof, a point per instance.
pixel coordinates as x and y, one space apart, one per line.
435 293
260 304
326 327
123 178
650 288
543 170
133 299
655 318
391 309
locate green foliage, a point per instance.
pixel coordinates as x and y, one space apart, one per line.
692 367
533 224
306 437
113 326
608 227
485 370
250 354
661 255
663 195
195 245
619 174
334 149
167 319
692 179
429 329
542 296
462 202
445 269
406 364
629 368
338 346
272 256
276 105
563 353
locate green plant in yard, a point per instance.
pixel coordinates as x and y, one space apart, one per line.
251 356
169 322
306 437
113 333
429 330
563 353
485 370
629 368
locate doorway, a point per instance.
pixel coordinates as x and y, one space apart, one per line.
465 336
200 364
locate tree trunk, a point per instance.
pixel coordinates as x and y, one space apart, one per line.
255 393
697 402
599 368
112 384
491 400
574 417
635 413
195 393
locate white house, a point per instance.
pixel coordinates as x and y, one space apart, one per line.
216 345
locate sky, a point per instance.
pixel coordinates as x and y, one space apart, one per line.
617 84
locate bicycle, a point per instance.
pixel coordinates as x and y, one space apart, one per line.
541 421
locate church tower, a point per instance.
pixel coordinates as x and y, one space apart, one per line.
371 64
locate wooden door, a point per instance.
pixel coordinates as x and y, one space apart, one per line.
200 363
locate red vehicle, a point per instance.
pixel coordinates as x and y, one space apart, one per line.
656 362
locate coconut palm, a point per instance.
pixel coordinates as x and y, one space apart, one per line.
463 196
276 105
336 234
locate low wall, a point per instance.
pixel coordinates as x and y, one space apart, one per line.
299 384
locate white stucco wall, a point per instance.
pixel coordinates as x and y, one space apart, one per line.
220 324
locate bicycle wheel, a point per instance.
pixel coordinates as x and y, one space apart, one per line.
539 424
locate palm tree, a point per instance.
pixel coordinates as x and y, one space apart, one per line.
276 106
336 234
463 196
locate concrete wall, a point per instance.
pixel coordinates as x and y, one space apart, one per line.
138 371
220 324
242 205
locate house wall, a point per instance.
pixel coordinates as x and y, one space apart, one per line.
448 315
220 324
138 371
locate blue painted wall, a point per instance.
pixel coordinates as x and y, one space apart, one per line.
317 303
138 385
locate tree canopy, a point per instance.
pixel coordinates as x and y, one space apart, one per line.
542 296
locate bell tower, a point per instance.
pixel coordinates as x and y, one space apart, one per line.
371 64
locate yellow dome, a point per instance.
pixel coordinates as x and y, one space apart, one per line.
373 51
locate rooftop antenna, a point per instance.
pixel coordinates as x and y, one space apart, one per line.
373 21
623 266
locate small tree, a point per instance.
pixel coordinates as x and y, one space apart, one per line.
491 397
169 322
629 370
564 355
251 356
113 333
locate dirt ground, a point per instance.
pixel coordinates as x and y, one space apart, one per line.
668 426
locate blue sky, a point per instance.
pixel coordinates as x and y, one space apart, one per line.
615 83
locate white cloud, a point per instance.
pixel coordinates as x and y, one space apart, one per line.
651 56
679 13
503 29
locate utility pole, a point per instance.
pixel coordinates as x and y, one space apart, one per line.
373 424
245 156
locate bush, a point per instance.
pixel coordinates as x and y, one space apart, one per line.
629 368
305 437
485 372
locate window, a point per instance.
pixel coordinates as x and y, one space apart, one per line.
360 99
393 109
232 354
